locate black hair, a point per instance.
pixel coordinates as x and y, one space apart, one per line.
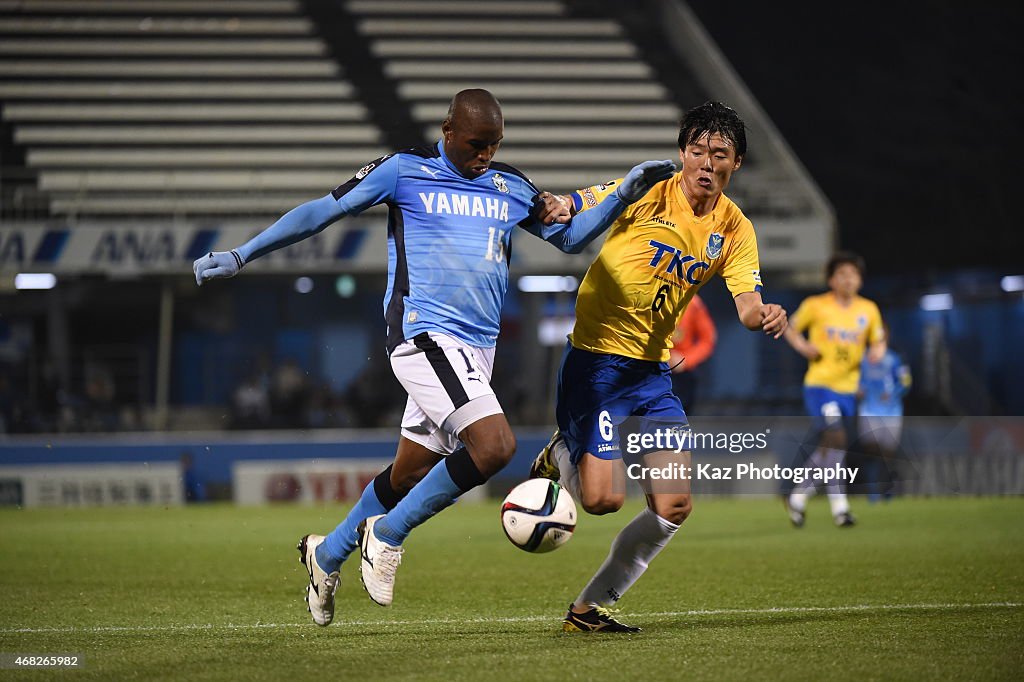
710 118
844 258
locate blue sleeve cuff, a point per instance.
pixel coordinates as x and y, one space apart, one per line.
577 201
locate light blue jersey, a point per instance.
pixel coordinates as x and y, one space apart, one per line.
449 241
883 385
449 238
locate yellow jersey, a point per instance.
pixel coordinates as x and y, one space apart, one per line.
841 334
656 256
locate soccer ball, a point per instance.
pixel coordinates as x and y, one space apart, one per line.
538 516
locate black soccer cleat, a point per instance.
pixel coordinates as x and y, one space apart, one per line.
544 466
597 619
845 520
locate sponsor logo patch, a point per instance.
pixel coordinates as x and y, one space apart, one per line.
365 170
362 172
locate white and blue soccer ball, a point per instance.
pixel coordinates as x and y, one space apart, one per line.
538 516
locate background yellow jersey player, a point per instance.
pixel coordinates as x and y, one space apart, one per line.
614 376
840 326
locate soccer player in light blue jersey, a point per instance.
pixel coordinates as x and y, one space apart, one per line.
452 210
883 385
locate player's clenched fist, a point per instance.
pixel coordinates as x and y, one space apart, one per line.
551 208
773 319
217 265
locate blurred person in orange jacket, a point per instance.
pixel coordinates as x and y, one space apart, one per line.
692 343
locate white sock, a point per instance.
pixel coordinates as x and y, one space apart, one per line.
807 489
836 489
568 473
798 501
839 503
633 549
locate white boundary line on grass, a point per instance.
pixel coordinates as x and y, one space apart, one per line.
780 610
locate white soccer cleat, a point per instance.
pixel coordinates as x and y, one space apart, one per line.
322 585
378 563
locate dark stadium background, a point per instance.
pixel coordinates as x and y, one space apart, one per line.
164 446
907 114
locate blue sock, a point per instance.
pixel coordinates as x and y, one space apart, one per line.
436 491
343 540
442 485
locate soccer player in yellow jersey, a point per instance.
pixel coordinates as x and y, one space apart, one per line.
658 253
840 325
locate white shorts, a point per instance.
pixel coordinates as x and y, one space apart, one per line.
449 387
883 432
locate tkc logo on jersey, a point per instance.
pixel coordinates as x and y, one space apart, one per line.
684 266
843 335
848 335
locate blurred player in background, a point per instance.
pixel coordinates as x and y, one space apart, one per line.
692 343
883 385
452 211
840 325
659 252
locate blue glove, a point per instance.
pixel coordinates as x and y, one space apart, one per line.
217 265
642 177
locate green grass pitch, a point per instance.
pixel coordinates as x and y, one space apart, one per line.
920 589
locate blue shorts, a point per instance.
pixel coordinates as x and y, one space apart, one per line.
597 392
829 410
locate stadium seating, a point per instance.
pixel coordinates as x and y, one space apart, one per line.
180 108
191 109
177 107
580 107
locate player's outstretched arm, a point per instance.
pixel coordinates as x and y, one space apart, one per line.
297 224
583 228
756 315
373 184
641 178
